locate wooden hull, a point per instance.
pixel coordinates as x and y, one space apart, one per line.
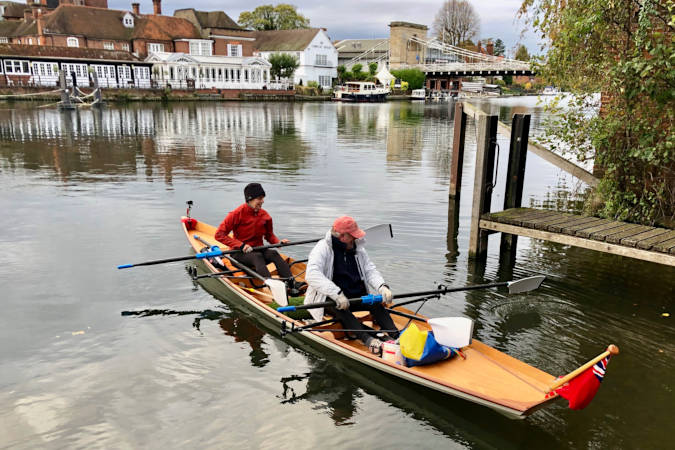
486 377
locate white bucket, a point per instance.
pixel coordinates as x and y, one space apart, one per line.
453 332
391 352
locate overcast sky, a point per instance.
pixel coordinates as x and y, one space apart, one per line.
369 18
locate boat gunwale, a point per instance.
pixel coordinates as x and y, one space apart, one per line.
506 408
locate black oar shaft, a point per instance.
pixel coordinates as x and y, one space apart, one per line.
402 314
446 291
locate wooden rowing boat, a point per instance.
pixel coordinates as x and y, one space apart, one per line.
485 376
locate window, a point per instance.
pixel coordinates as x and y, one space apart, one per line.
324 80
142 73
202 48
108 46
321 60
72 42
4 40
124 72
79 69
154 48
125 47
233 50
30 41
128 20
17 67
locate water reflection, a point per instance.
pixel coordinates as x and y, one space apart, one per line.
325 389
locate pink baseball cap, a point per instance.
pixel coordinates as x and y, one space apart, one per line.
346 224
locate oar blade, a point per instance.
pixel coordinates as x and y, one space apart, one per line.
278 289
525 284
379 233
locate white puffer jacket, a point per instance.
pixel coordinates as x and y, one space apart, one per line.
320 273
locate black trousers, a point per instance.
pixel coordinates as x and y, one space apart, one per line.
258 261
350 322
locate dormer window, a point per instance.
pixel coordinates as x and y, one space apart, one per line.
128 20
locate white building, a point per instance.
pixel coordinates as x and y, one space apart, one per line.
312 47
181 71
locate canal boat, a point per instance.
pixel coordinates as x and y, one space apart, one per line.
360 91
418 94
483 375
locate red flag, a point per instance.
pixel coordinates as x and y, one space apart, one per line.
582 388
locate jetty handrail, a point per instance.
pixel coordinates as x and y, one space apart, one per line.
542 152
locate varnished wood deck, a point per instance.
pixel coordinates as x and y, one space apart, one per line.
634 241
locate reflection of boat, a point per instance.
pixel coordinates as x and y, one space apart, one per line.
485 376
360 91
550 90
418 94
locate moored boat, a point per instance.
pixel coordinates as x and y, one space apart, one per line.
483 375
418 94
360 91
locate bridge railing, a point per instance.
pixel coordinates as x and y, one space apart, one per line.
477 67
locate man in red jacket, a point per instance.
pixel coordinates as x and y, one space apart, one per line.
249 223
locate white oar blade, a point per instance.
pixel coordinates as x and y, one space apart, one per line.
379 233
278 289
526 284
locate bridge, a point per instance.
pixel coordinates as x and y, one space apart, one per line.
444 64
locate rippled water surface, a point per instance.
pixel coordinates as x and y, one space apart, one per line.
82 192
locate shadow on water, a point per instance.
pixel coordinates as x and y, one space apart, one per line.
335 385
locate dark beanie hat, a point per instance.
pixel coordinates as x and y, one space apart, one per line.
253 190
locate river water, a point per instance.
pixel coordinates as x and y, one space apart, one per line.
85 191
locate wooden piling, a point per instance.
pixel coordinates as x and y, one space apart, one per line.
486 142
515 176
457 151
65 94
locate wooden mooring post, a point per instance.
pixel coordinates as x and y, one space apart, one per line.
65 93
486 143
457 151
515 176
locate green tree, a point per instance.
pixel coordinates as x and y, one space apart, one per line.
522 54
341 71
283 65
414 77
372 68
500 49
623 49
270 17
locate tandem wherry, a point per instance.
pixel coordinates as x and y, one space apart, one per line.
360 91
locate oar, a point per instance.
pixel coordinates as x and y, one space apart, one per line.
375 234
515 287
277 287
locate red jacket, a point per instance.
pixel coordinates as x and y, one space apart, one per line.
248 227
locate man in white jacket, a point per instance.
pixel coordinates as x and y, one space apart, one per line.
339 268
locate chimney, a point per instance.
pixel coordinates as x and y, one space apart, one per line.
490 48
157 6
479 48
37 12
27 14
136 7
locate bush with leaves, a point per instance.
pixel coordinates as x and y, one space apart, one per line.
414 77
283 65
623 50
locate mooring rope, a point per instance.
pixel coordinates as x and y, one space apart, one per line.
30 94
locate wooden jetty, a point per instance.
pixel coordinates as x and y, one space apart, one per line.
619 238
609 236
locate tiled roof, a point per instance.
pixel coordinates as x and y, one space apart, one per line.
14 9
65 52
361 45
26 28
284 40
164 28
208 19
8 27
100 23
